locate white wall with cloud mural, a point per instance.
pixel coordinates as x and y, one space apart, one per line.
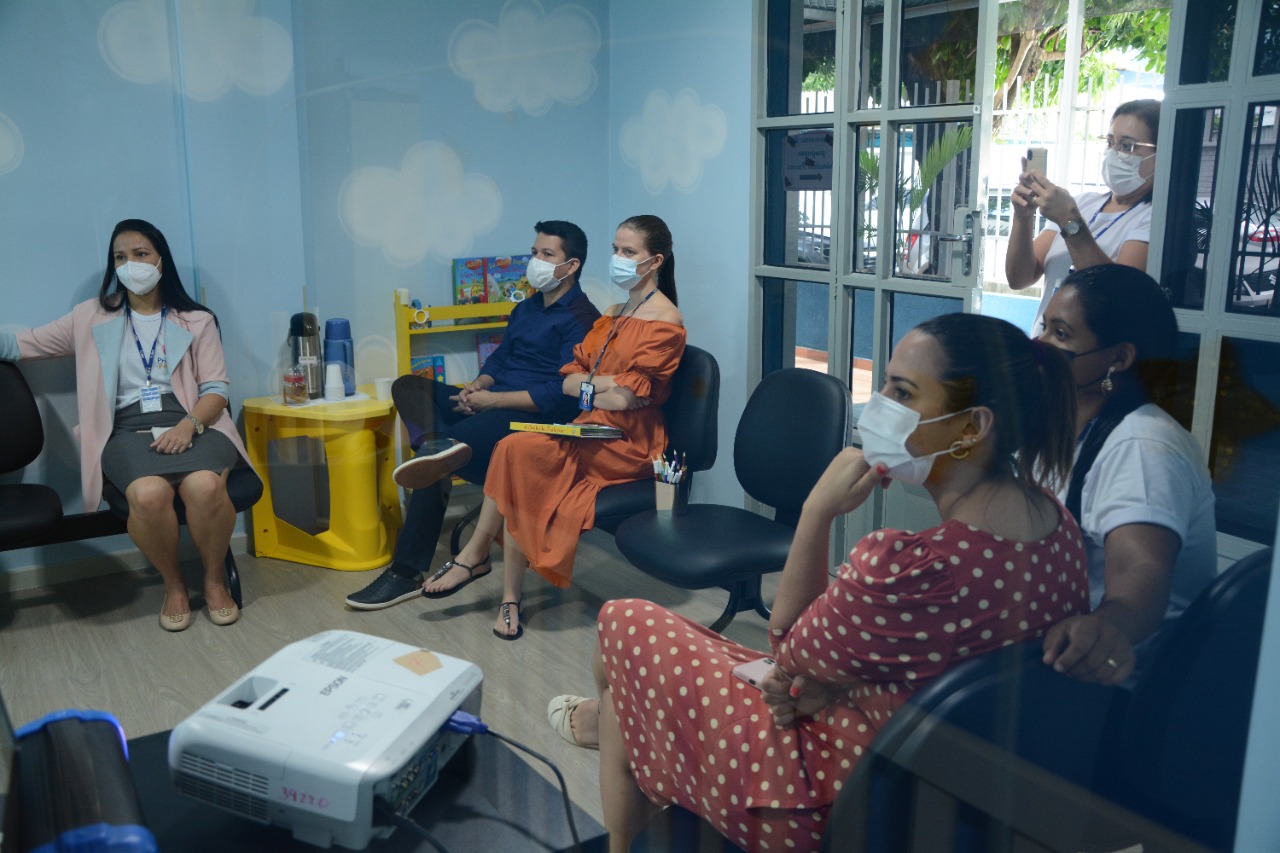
530 59
430 205
671 138
11 145
224 45
287 174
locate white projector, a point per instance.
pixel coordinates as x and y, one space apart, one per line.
310 737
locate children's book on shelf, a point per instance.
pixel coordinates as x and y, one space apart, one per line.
486 344
430 366
571 430
508 278
469 281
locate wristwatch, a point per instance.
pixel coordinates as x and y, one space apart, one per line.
197 422
1072 227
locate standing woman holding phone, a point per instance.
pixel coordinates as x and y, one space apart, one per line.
151 386
1096 228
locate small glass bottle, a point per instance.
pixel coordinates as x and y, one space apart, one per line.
295 386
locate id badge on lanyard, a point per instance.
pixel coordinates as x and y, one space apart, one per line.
150 394
586 396
151 399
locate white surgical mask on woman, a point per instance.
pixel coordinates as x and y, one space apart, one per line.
138 277
1120 173
885 426
542 274
622 271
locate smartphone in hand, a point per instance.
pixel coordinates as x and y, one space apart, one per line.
1038 159
754 671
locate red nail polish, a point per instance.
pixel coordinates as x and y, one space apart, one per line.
795 691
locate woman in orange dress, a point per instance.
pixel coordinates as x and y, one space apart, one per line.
543 487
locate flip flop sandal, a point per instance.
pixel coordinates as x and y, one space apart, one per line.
444 570
505 609
559 711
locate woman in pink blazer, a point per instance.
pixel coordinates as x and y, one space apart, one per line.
151 385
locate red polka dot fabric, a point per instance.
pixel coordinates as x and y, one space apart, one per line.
900 611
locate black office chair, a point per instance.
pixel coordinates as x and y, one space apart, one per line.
794 424
1180 746
692 416
244 487
963 765
27 510
692 413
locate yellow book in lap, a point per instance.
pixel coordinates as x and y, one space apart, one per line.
570 430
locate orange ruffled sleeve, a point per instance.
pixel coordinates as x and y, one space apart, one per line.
655 357
642 356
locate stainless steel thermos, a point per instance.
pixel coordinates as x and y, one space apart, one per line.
304 349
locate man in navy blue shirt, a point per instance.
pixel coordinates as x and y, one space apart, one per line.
456 429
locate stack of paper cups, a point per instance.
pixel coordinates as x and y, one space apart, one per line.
333 389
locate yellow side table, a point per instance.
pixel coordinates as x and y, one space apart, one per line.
364 506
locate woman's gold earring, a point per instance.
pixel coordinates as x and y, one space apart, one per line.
957 446
1107 385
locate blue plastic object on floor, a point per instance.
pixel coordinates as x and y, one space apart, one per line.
75 793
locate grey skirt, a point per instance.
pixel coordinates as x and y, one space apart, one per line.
128 454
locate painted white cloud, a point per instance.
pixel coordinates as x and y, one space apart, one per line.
601 293
223 45
11 145
531 59
671 139
429 205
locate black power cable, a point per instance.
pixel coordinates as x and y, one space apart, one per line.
469 724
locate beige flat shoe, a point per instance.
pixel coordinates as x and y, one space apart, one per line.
224 615
176 622
559 712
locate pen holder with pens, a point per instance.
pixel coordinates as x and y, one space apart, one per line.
671 498
670 485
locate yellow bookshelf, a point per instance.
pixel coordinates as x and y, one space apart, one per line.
442 320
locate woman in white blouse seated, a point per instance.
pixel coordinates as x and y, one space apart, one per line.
1139 487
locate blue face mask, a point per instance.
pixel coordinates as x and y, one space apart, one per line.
622 271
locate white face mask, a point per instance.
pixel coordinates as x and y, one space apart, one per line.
138 277
542 274
885 426
622 271
1120 174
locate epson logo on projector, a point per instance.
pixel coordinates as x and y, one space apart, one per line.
334 685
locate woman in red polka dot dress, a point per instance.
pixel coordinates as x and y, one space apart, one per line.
978 414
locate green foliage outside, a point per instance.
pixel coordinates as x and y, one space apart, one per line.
1031 46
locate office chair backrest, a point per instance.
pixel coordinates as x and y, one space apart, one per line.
21 430
692 411
794 424
1007 698
1181 746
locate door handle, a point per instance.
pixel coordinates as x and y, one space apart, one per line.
966 262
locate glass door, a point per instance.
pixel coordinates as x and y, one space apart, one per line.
872 124
919 126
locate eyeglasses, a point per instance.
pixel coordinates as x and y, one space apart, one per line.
1124 146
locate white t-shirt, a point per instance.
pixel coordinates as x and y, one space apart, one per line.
1110 231
1151 471
133 375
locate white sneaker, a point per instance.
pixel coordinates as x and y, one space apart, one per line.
435 461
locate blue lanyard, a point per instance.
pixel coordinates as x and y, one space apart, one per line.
147 363
1109 225
612 329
